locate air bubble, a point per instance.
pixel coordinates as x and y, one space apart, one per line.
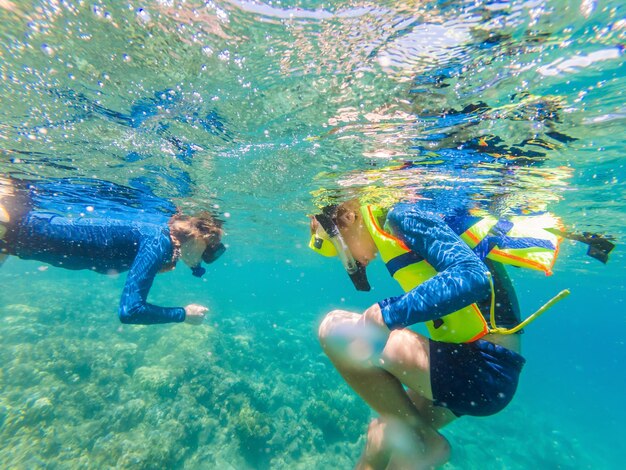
46 49
143 16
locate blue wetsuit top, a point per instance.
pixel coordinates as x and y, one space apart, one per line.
112 243
461 280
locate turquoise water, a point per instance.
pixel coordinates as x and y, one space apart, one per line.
261 111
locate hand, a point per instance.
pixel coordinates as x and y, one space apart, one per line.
194 314
371 337
374 329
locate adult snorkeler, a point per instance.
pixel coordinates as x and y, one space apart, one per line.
108 228
471 363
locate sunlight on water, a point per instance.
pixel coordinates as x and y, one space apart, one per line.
182 93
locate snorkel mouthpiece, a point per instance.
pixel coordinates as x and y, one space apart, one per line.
359 279
198 271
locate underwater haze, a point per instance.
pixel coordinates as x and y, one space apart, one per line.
264 112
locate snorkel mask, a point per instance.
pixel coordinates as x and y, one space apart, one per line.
209 255
331 243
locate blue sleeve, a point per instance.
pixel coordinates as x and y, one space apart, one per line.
152 254
461 280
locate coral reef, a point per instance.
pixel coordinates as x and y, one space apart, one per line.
80 390
247 390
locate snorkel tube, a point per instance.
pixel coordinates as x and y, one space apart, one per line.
355 270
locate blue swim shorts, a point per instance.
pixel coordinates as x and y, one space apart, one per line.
476 379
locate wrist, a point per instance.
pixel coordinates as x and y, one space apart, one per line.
387 316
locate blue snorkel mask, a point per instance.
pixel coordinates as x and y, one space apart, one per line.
210 254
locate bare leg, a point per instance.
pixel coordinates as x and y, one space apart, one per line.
377 453
404 457
377 381
437 416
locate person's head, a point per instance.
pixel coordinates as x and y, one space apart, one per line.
339 231
198 238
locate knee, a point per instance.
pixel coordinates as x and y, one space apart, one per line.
328 326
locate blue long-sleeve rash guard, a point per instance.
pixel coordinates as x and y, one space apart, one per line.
461 280
104 245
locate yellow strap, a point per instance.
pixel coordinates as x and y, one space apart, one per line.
509 331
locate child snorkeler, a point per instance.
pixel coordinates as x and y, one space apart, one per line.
105 227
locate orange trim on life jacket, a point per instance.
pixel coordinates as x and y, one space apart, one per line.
383 233
479 335
556 253
526 262
485 326
469 233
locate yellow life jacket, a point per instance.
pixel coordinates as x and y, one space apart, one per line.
462 326
525 243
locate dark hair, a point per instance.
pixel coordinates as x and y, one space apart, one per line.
336 213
